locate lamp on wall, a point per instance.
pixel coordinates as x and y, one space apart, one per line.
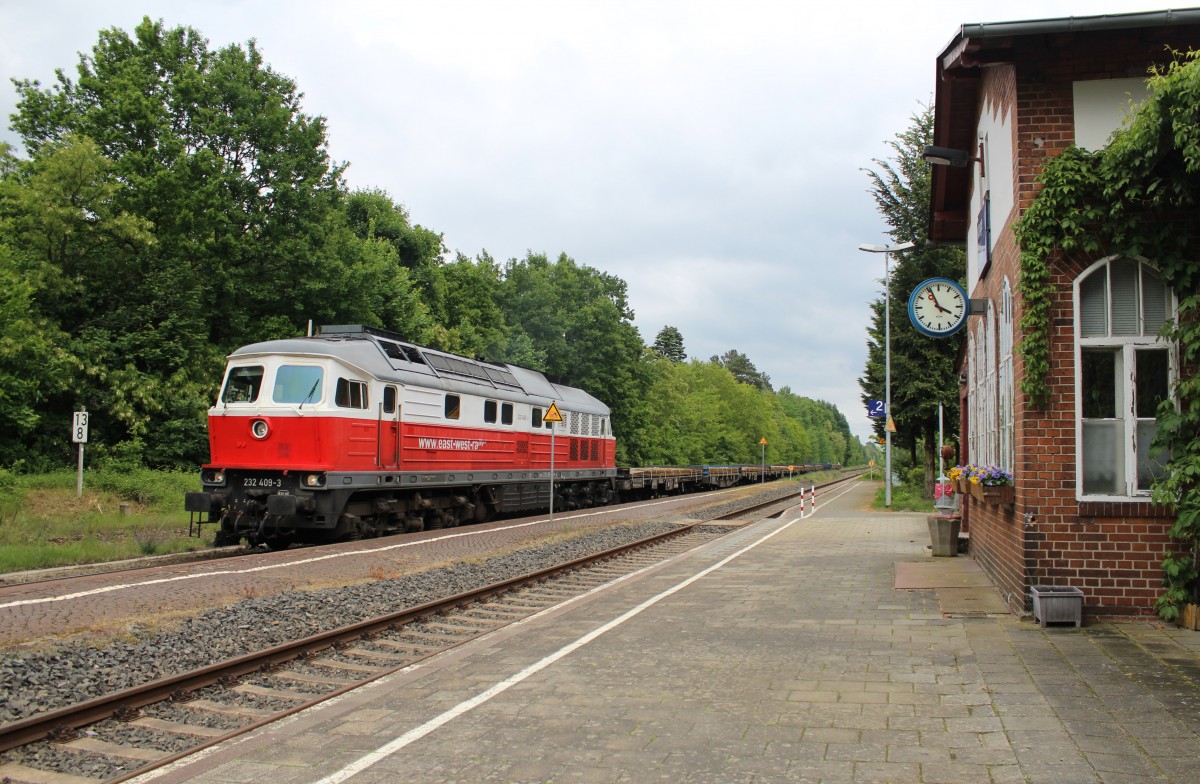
949 156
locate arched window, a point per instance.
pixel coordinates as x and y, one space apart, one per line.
1123 372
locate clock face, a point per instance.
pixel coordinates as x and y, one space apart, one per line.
938 307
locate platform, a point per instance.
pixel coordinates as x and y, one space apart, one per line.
785 651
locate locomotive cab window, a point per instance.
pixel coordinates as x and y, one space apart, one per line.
453 407
297 384
243 384
389 400
537 417
350 394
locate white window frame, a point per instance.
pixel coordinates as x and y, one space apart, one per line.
983 445
1128 345
1006 389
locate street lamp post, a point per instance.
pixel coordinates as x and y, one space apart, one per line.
887 251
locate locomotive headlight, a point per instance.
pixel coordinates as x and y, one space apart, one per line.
212 476
314 480
260 429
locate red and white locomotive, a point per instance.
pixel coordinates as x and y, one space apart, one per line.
356 433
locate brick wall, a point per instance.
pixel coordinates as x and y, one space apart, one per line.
1111 551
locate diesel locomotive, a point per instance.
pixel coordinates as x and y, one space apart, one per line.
355 433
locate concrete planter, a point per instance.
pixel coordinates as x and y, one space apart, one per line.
1055 604
943 534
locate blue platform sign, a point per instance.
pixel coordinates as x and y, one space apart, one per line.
875 408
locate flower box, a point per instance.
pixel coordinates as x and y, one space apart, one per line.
993 495
1057 604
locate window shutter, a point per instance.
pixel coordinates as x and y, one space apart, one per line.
1093 305
1125 298
1154 302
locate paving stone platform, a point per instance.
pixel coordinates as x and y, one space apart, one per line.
793 658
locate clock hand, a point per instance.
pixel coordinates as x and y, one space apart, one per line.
935 302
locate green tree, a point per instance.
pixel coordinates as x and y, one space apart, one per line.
214 152
208 153
923 368
669 344
742 369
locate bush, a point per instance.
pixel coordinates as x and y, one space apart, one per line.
146 486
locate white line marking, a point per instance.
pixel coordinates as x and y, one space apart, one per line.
415 734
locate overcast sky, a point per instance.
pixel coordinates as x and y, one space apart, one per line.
710 154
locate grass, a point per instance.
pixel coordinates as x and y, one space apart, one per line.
43 523
905 498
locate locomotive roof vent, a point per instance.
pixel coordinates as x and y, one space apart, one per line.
394 347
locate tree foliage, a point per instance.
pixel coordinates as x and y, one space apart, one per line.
743 369
669 344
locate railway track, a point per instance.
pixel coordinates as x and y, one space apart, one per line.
126 733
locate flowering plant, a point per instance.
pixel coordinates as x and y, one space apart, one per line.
988 476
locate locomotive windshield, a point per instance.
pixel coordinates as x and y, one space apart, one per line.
243 384
297 384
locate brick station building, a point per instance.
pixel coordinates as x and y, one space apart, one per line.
1008 97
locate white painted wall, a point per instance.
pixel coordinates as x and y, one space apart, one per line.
1101 107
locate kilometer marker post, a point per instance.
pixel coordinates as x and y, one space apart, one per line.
79 434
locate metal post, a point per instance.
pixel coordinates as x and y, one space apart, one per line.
552 426
941 440
887 251
79 474
887 378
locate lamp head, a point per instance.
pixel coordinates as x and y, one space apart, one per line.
888 248
946 156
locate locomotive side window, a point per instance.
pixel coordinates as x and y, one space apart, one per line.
537 417
489 411
453 407
506 414
389 400
243 384
297 384
350 394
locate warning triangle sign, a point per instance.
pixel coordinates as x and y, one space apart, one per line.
891 425
552 414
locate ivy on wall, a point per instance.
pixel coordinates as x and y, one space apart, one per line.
1136 197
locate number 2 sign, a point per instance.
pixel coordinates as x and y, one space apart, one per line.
875 408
